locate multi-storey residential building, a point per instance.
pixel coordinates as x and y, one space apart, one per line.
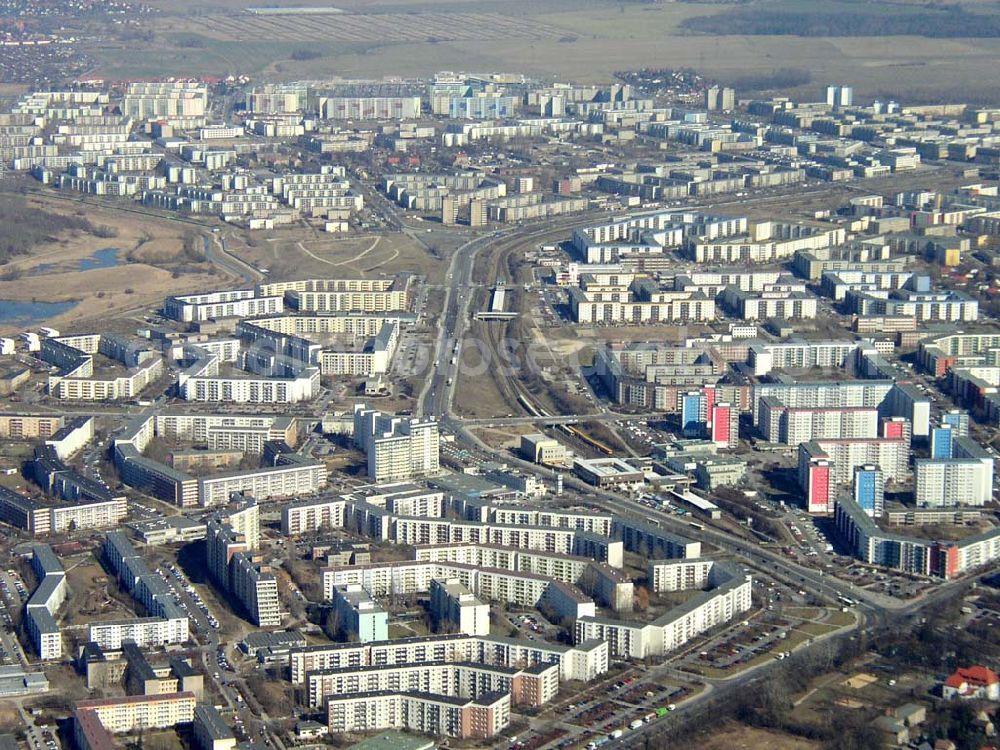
512 586
233 535
233 303
783 355
533 686
766 242
913 554
868 489
146 632
145 587
965 477
312 515
724 424
46 599
585 661
455 608
729 596
202 382
246 432
90 510
397 447
678 575
939 355
827 465
783 303
294 475
466 718
626 298
166 100
654 542
29 427
782 424
76 378
359 617
130 712
341 295
210 730
287 473
890 398
924 306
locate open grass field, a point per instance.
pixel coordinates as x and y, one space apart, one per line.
298 254
584 40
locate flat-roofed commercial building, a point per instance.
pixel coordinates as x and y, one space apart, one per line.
609 472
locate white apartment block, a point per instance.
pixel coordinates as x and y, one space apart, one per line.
713 283
585 661
420 712
340 295
146 632
945 307
410 577
730 597
44 602
231 539
456 609
947 482
130 712
614 298
202 382
889 454
776 303
763 358
310 516
595 523
837 284
398 448
234 303
833 395
296 478
964 479
678 575
459 679
87 515
791 426
246 432
766 242
130 385
375 337
165 100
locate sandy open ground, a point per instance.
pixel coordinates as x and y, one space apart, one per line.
50 272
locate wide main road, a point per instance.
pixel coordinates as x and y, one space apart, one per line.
435 398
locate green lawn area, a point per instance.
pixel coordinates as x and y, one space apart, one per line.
174 55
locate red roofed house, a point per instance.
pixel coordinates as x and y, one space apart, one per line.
972 682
